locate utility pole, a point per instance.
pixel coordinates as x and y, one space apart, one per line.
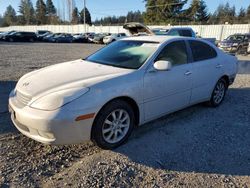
84 16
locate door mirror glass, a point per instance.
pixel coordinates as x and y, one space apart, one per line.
162 65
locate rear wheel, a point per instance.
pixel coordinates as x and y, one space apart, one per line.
218 93
113 125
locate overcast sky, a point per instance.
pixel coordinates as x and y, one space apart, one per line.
101 8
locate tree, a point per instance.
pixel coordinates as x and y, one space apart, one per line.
202 15
248 14
241 16
9 16
50 8
41 12
52 18
88 16
1 21
27 12
163 11
197 12
75 16
225 13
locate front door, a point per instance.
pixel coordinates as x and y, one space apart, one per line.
167 91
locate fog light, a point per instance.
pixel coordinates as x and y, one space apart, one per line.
46 134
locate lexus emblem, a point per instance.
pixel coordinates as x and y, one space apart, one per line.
26 84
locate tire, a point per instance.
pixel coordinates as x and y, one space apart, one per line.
113 124
31 40
239 50
219 93
11 40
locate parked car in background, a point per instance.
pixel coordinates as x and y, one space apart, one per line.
50 37
41 32
248 50
127 83
90 36
42 35
98 39
63 38
113 37
237 43
4 34
21 37
80 37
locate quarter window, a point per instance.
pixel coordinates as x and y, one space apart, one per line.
175 52
202 51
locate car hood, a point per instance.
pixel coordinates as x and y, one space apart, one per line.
74 74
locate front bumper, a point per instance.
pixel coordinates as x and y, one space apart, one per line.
229 49
50 127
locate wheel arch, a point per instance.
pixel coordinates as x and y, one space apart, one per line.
226 78
127 99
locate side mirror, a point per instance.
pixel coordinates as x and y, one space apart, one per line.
162 65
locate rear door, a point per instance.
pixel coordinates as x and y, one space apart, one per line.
207 69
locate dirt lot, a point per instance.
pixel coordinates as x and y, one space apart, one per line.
195 147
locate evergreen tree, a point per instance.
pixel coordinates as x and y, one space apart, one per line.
163 11
248 14
27 12
75 16
241 16
202 15
197 12
40 12
88 16
50 8
1 21
9 16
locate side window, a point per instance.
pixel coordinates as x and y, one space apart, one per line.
175 52
173 33
186 33
202 51
247 38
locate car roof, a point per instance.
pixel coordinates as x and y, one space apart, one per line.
152 38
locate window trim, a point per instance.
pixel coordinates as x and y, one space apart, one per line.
191 52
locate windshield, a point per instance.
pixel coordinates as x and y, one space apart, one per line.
124 54
236 37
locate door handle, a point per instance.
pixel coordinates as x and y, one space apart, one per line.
188 73
218 66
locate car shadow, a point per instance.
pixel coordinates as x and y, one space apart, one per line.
244 67
6 125
197 139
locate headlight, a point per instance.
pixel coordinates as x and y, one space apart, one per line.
58 99
235 44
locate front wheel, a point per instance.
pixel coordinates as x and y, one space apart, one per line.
113 125
218 93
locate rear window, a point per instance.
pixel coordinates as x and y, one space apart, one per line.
202 51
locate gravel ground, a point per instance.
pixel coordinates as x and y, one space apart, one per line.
195 147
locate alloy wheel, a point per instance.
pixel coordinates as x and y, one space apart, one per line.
116 126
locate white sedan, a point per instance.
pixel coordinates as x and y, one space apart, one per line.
113 38
123 85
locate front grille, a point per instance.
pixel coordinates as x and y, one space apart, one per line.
22 98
